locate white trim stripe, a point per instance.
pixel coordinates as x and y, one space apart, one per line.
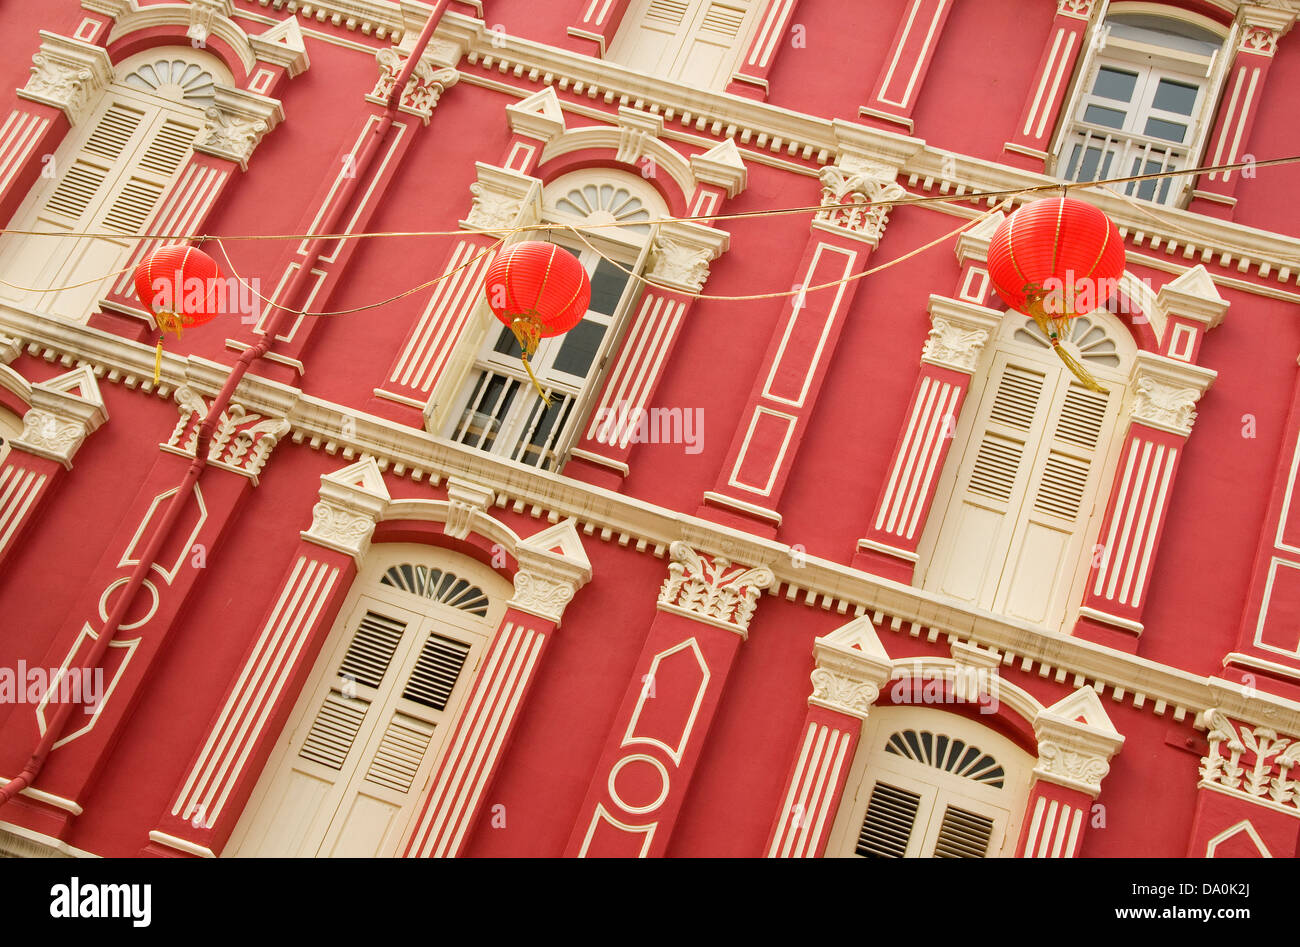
256 691
18 138
19 489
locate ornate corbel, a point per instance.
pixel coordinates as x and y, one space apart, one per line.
681 253
67 74
465 502
547 580
503 199
64 411
958 333
235 124
1167 391
350 502
1076 742
709 590
852 669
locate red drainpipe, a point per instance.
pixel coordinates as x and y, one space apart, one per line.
245 360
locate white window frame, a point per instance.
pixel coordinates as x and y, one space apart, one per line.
938 789
99 256
629 248
369 594
1007 349
1120 149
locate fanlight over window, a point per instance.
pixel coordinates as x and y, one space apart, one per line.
174 79
1090 341
606 203
438 586
949 754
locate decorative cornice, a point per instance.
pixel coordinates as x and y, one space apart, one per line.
958 333
235 124
707 589
67 74
1167 391
814 582
681 254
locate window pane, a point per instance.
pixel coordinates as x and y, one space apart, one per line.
1170 131
579 348
1175 97
1111 118
606 287
507 344
1114 84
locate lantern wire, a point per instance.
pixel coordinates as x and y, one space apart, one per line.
1007 198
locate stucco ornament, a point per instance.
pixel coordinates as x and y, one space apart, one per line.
1165 405
1254 762
835 689
954 345
679 264
1072 765
858 183
338 527
709 589
423 89
541 595
50 433
230 135
493 209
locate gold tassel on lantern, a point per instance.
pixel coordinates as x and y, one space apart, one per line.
528 332
1055 327
167 322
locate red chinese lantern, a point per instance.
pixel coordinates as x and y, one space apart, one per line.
1054 259
538 290
182 287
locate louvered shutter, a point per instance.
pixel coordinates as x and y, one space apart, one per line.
995 469
691 41
887 828
963 834
1013 531
1048 542
112 184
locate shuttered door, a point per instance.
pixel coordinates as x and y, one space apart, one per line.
691 41
395 765
1013 531
363 745
111 183
1050 534
887 828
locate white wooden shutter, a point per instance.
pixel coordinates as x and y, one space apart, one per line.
110 182
363 744
995 469
1050 531
692 41
963 834
887 828
1013 531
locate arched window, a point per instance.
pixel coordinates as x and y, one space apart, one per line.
696 42
496 408
363 737
930 784
107 178
1021 493
1143 98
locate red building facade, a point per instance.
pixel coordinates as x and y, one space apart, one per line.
848 565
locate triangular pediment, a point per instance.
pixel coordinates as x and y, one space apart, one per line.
562 539
364 475
1085 707
80 383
